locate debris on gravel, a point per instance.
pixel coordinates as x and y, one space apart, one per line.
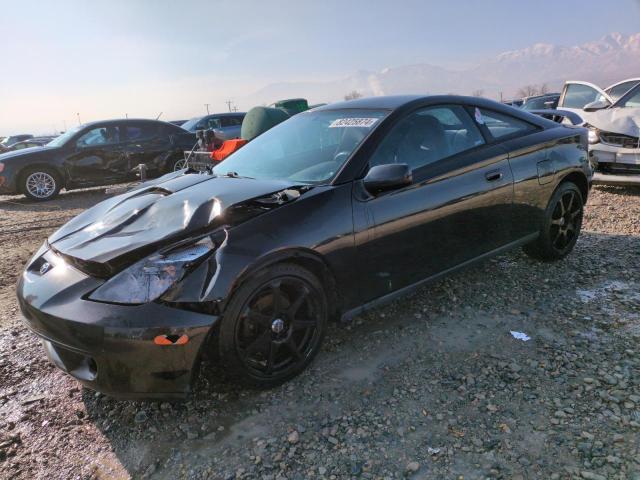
432 386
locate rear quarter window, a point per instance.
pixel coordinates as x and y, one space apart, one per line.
501 126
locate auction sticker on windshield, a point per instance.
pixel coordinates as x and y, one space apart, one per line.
353 122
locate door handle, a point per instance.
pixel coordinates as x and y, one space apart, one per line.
493 175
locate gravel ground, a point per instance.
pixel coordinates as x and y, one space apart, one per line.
432 386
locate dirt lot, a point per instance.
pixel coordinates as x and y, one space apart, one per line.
432 386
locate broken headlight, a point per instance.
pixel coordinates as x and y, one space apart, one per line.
594 134
149 278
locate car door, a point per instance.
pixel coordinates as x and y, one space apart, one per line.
97 156
457 208
575 95
146 143
533 169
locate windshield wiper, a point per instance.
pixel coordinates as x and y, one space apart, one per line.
235 175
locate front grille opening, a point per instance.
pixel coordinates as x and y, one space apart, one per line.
619 140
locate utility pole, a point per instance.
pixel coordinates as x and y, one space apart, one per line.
207 105
229 103
79 122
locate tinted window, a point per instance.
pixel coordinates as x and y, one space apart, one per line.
500 125
619 90
577 96
141 132
540 103
428 135
231 121
99 136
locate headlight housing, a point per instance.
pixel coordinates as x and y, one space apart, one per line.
149 278
594 135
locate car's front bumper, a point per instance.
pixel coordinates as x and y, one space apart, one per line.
615 165
111 348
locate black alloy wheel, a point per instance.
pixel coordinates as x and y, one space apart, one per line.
566 220
561 225
274 325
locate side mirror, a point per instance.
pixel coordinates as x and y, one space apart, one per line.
595 106
388 177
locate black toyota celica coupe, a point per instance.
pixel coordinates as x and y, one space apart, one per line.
333 211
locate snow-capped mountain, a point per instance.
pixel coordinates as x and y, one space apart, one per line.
610 59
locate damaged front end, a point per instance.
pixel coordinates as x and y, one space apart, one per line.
614 138
122 295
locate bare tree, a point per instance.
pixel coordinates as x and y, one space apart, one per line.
352 95
532 90
478 93
527 91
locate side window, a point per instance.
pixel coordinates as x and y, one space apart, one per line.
141 132
577 95
500 125
213 123
231 121
99 136
427 136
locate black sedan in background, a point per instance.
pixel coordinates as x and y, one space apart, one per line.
327 214
32 142
7 142
97 153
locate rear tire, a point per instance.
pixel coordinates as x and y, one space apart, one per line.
561 225
40 183
273 326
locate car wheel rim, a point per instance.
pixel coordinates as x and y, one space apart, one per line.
278 328
179 165
566 219
41 184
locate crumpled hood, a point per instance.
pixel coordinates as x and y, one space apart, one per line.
625 121
161 211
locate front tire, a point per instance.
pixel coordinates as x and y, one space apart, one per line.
561 225
273 326
40 183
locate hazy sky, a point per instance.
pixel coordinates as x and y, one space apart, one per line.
110 58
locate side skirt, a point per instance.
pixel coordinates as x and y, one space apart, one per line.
390 297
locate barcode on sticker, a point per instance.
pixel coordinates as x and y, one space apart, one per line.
353 122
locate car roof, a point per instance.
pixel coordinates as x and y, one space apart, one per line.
401 102
125 121
389 102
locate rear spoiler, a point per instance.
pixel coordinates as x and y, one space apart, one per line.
559 115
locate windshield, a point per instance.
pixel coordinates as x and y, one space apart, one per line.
630 99
310 147
190 124
62 139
